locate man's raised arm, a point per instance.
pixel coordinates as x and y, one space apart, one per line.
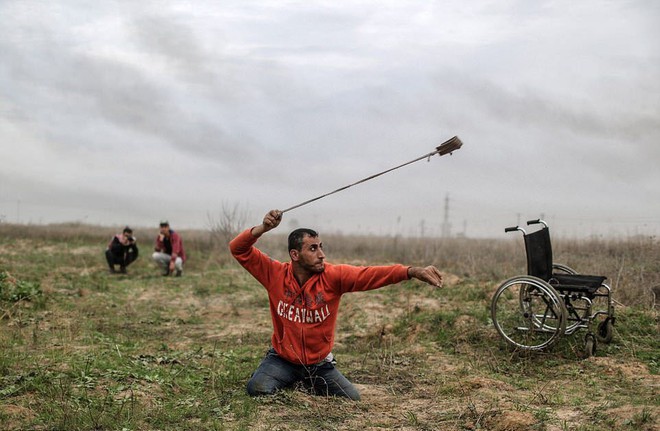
271 220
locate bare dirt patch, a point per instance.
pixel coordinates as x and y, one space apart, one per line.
16 414
634 370
511 420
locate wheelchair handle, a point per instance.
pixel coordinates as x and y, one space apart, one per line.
537 221
514 228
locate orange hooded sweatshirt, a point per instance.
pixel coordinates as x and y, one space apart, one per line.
304 318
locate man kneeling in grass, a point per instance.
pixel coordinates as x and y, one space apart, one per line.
304 299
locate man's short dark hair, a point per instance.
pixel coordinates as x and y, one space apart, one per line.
128 230
296 237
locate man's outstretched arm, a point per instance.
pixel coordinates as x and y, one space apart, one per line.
430 275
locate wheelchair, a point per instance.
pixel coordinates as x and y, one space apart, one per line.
532 312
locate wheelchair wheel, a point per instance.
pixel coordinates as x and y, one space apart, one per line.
605 331
528 313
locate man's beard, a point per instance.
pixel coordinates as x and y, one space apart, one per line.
316 268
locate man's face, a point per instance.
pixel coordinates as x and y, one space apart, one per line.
127 236
311 256
165 230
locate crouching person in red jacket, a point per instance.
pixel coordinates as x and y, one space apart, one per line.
168 251
304 299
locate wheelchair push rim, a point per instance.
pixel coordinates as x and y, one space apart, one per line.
528 313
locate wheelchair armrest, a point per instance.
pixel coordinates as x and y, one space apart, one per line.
564 268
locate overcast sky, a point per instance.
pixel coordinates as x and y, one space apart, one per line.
127 112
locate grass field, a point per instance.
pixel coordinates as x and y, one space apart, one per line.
81 349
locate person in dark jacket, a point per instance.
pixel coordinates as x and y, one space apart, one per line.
122 250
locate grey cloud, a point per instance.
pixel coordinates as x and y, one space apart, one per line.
163 36
86 84
527 108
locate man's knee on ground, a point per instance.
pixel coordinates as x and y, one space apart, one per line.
353 395
256 387
346 392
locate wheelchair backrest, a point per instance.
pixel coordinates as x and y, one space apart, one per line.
539 254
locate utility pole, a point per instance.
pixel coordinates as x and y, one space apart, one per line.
446 226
